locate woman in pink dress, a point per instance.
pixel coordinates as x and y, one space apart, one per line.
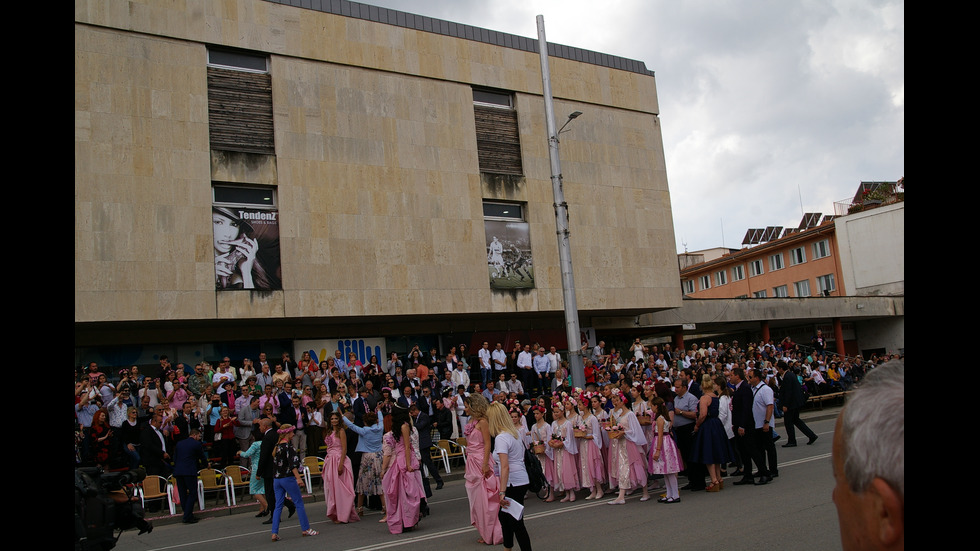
401 478
627 464
592 471
540 436
563 450
664 457
338 479
482 485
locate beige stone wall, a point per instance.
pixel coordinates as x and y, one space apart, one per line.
142 194
379 191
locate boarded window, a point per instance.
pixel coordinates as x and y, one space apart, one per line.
240 103
497 138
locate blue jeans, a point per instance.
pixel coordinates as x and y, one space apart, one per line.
289 486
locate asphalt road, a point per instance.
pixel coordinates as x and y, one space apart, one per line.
794 512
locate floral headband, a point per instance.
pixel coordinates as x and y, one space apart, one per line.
285 429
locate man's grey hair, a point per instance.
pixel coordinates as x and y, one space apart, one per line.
874 429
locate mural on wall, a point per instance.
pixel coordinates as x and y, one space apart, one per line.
321 349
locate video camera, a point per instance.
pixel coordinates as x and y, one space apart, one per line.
105 503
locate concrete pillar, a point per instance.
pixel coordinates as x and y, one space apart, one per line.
765 331
679 340
839 337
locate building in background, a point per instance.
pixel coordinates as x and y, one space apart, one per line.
858 252
250 173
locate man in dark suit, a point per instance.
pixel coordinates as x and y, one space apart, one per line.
424 425
791 400
443 420
188 458
296 415
153 448
742 424
186 421
269 440
692 384
361 405
408 396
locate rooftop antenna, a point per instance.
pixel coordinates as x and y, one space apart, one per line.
800 191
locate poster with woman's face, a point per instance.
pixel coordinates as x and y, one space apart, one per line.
509 255
246 249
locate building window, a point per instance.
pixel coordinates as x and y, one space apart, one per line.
759 294
742 296
721 278
782 291
240 102
738 273
498 140
245 222
821 249
688 287
776 262
825 284
802 288
797 256
508 245
755 268
705 282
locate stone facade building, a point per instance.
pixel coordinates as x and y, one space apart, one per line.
368 155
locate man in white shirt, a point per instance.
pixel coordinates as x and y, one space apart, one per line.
555 360
763 404
485 366
599 353
525 366
222 375
461 376
499 358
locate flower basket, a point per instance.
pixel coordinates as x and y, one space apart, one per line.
644 420
538 449
616 434
579 433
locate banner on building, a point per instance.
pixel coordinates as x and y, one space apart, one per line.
246 248
509 255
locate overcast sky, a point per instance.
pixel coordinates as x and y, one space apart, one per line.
760 101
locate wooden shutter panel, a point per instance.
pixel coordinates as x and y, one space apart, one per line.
240 111
498 140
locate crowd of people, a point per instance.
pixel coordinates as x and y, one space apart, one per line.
642 418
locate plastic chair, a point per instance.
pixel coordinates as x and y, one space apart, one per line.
436 453
237 477
211 480
311 466
461 442
156 487
457 453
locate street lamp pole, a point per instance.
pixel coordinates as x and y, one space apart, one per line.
572 332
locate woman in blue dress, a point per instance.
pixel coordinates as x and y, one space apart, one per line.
711 446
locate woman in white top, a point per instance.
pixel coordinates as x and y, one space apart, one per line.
725 413
508 452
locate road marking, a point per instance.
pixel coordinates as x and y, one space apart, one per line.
456 531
